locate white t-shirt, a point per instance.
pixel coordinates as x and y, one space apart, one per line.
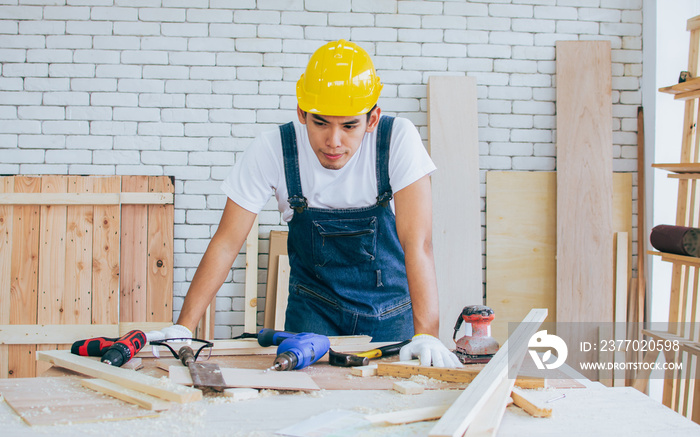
260 172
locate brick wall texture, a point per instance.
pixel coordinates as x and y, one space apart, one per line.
180 87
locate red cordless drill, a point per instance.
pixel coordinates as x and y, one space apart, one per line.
114 351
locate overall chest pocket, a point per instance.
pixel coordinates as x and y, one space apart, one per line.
343 242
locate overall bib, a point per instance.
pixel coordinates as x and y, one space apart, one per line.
348 274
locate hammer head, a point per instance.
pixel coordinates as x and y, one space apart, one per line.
346 360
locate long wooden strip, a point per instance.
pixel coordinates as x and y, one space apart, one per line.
126 378
105 264
7 184
53 334
584 191
278 246
465 375
407 416
87 199
134 256
283 271
77 300
250 305
470 403
487 422
159 288
143 400
454 147
52 261
25 268
621 290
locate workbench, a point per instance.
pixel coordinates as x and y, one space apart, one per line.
591 410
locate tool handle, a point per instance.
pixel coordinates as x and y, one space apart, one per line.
269 337
186 355
92 347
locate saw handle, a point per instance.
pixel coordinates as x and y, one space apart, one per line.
186 355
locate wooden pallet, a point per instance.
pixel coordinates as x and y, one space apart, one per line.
78 251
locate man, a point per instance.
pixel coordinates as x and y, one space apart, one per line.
357 267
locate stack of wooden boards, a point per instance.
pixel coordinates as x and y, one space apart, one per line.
81 256
550 235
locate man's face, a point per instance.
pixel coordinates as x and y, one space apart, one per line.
335 139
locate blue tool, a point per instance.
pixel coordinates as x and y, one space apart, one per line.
294 351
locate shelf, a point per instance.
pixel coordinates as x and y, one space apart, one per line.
684 167
672 257
689 89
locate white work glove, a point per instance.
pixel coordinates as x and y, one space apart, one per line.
175 331
430 350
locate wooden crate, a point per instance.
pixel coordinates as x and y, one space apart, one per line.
81 256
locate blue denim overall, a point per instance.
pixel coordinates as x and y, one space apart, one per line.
348 274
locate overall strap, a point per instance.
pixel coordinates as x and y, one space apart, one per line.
296 199
383 141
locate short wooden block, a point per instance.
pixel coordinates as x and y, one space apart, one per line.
241 394
408 387
369 370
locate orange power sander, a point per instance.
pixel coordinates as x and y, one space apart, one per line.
479 347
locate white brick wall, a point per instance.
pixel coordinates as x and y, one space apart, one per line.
180 87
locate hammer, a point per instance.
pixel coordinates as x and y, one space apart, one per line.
362 359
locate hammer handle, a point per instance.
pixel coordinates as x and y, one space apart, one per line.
384 351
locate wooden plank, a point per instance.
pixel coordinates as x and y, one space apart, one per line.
407 416
78 276
107 198
159 288
253 378
682 167
621 290
54 334
282 291
521 242
125 327
52 252
24 274
454 147
132 396
531 406
250 305
278 246
584 191
689 86
466 374
134 256
487 422
7 185
470 403
520 246
105 264
62 401
126 378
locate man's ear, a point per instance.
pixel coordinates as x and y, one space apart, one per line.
302 115
374 119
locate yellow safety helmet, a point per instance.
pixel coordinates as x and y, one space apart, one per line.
339 80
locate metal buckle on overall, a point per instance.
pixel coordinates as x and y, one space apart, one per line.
298 203
384 198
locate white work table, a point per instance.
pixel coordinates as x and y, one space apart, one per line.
591 411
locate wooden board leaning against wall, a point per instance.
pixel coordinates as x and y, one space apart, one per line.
64 246
521 242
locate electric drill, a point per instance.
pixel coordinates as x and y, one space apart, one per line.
114 351
294 351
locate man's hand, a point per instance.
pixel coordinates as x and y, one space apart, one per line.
175 331
430 350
